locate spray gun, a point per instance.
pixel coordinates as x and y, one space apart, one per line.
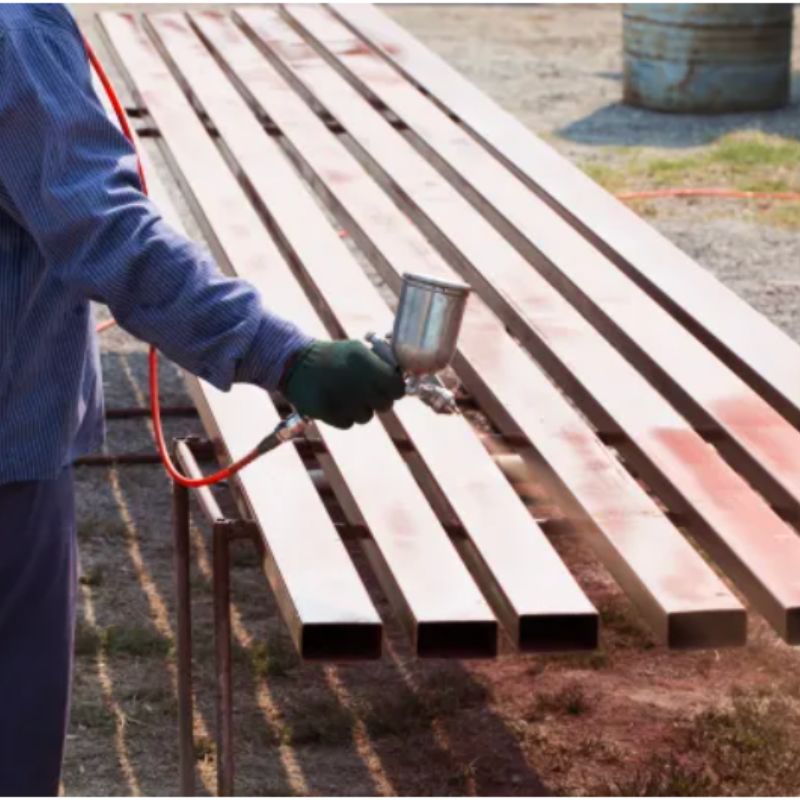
421 344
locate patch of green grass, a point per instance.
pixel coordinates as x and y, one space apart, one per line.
782 215
93 577
600 749
397 713
154 701
662 777
596 660
748 746
134 640
204 748
199 583
405 710
744 160
756 149
92 715
131 640
447 693
617 619
749 742
320 720
96 528
276 658
87 640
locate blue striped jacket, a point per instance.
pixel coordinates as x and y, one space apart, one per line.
75 227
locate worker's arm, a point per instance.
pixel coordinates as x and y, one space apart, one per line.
68 176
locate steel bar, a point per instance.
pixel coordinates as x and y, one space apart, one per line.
734 523
222 650
113 459
415 556
618 516
764 356
180 528
133 412
519 571
185 459
223 532
203 449
762 445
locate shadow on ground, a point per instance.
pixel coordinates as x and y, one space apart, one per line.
622 125
394 726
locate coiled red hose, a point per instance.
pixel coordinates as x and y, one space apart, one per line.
155 406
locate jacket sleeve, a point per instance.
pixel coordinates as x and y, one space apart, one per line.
68 177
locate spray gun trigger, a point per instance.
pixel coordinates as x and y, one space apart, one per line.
382 348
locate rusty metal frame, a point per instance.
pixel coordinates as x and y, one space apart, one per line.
224 531
133 458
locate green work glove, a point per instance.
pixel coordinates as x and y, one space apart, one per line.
341 383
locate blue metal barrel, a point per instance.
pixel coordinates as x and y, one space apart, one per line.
706 57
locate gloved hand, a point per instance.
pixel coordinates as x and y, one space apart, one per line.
341 383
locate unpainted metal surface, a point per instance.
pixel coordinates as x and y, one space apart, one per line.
752 543
764 447
766 357
414 556
643 550
517 566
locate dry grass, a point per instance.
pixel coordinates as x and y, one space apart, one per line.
569 699
745 160
121 640
747 745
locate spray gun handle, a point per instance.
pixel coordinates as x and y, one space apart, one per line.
382 348
429 389
295 423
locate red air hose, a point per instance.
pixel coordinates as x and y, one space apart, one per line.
155 407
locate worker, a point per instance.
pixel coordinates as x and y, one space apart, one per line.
75 226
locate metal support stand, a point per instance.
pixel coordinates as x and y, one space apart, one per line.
181 550
122 459
224 532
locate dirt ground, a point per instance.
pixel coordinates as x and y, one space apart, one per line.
631 718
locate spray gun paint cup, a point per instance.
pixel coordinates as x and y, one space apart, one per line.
427 324
423 341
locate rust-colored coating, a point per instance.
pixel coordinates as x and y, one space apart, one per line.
696 382
183 613
221 576
516 564
745 339
638 544
721 504
413 557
